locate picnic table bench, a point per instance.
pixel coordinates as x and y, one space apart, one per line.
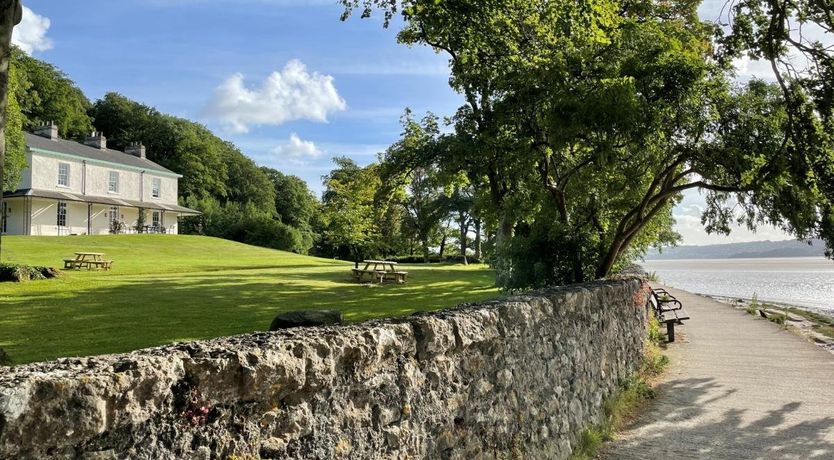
89 260
668 310
388 272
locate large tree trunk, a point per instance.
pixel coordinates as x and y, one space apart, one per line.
442 246
503 236
11 13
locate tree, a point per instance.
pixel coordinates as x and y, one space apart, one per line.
15 141
588 119
348 212
460 203
411 164
426 206
11 13
51 97
211 167
295 204
795 38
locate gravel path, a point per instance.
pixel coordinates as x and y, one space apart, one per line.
737 388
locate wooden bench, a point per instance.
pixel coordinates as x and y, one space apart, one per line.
396 276
379 275
74 264
100 264
374 275
668 310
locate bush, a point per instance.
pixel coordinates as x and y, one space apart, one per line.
246 224
753 306
654 330
778 319
20 273
433 259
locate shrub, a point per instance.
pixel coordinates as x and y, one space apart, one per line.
778 319
753 307
247 224
827 331
655 332
433 258
20 273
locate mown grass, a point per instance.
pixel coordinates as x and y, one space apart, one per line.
166 288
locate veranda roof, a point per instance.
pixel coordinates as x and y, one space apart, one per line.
110 201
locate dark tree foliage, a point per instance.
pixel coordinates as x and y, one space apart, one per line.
49 95
211 167
295 204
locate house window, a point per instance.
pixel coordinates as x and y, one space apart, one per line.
113 185
62 214
63 174
155 218
156 188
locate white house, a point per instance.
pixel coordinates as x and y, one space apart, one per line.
70 188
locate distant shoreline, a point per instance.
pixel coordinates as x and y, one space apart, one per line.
749 250
733 258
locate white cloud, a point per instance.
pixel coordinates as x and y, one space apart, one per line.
287 95
297 150
747 69
30 34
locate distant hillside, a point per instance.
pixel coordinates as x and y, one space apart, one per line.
756 249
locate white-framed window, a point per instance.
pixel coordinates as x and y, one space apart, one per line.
63 174
156 187
62 214
156 218
113 183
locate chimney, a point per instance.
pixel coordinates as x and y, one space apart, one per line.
97 140
49 131
136 149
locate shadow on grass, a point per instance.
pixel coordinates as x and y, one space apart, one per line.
679 426
124 312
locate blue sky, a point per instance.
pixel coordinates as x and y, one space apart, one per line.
285 80
174 54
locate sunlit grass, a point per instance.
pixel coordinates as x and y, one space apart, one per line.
166 288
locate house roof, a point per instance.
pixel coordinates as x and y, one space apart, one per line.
68 147
110 201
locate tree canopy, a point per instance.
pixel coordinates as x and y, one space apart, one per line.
45 94
586 120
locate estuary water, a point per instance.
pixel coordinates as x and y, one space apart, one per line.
800 281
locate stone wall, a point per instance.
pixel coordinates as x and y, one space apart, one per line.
512 378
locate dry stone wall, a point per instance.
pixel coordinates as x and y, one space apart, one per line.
513 378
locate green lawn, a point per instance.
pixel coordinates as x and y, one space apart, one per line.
166 288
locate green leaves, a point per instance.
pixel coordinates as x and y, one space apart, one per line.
45 94
585 120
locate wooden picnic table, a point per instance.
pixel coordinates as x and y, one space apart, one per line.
89 260
388 271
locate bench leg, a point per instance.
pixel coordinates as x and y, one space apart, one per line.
670 330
